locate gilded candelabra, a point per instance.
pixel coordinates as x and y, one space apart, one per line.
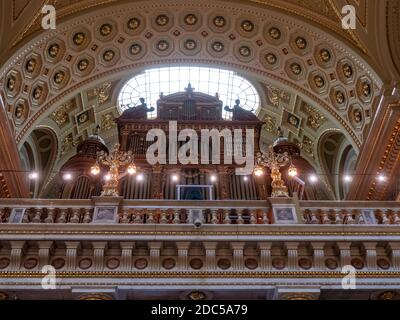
275 161
115 161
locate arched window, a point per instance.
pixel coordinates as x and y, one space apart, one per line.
167 80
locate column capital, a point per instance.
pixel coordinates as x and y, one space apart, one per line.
237 245
183 245
265 245
344 245
155 245
210 245
292 245
318 245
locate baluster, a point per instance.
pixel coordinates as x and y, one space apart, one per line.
253 219
125 216
37 215
176 217
138 217
338 217
163 219
63 216
239 216
325 217
396 217
2 214
214 218
385 219
150 216
87 217
265 217
227 219
314 219
50 215
25 219
76 215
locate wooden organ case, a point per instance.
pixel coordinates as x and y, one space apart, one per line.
190 110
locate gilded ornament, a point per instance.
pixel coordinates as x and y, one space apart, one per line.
59 77
275 33
301 43
357 116
83 64
196 295
135 49
366 89
218 46
270 58
219 21
319 81
53 50
37 93
79 38
190 44
224 264
11 82
162 20
347 70
325 55
315 119
102 93
296 68
308 146
190 19
108 55
331 263
133 24
162 45
245 51
276 96
105 29
340 97
20 111
247 26
60 116
67 144
270 125
31 65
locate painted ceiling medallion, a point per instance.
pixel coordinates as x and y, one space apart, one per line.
135 49
21 111
190 19
83 64
11 83
219 21
218 46
366 89
162 20
108 55
30 65
275 33
190 44
270 58
245 51
325 55
105 29
301 43
247 26
79 38
295 68
37 93
340 97
54 50
162 45
133 24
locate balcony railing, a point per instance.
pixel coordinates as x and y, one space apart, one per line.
211 212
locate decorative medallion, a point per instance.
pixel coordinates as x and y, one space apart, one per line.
270 58
357 263
11 83
270 125
293 120
315 118
141 263
168 263
364 89
85 263
190 19
274 33
58 263
21 111
105 29
61 115
107 122
347 70
340 97
219 21
31 65
79 38
217 46
224 264
190 44
251 263
112 263
196 296
319 81
277 96
135 49
162 20
4 263
387 295
133 24
30 263
295 68
325 55
162 45
83 64
331 264
196 263
383 264
108 55
308 146
278 263
59 77
37 93
54 50
247 26
245 51
301 43
305 263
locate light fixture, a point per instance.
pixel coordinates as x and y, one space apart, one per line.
258 171
107 177
213 178
292 171
131 169
175 177
95 169
246 178
67 176
33 175
347 178
381 178
140 177
313 178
